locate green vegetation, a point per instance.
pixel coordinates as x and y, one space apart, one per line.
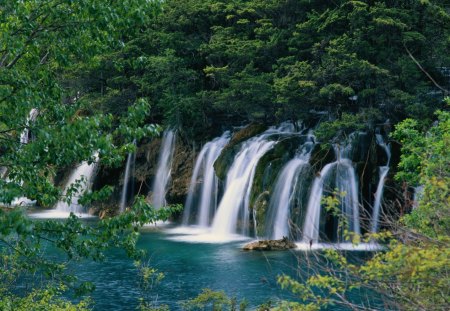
102 73
412 273
207 63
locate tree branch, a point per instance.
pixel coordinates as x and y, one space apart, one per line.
446 92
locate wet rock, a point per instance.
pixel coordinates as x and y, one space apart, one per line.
270 245
182 168
260 209
226 158
321 156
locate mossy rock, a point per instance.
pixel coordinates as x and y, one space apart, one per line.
260 206
266 173
321 156
226 158
271 163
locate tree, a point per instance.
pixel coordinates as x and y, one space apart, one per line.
412 272
41 44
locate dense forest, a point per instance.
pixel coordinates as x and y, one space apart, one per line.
98 79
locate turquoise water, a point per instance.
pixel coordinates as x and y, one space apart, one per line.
191 266
188 268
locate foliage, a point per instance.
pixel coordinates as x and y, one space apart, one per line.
213 300
210 63
425 161
149 280
24 243
43 299
42 43
412 271
403 277
341 128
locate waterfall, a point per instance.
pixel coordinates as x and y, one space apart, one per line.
418 193
24 139
383 171
82 177
162 177
24 136
204 183
131 159
234 205
345 181
312 219
284 194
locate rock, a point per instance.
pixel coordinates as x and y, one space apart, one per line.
270 245
182 168
226 158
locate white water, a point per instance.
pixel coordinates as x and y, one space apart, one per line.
24 136
383 171
418 193
126 180
312 219
24 139
346 183
83 176
233 210
281 201
204 183
162 177
365 247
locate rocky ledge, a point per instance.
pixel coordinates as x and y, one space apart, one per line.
270 245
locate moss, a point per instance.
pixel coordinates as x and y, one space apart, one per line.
247 132
321 156
266 173
260 206
226 158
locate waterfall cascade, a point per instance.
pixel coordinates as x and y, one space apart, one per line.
233 210
162 177
25 135
383 171
295 203
83 177
131 159
24 139
342 174
284 194
203 189
418 193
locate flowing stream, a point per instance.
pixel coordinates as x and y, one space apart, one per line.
342 173
232 215
25 135
203 189
131 159
162 177
82 177
283 197
383 171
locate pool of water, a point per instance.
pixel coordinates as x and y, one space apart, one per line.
188 268
190 265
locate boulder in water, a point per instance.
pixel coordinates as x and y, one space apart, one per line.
270 245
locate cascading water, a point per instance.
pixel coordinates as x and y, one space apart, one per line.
239 182
131 159
24 136
82 176
278 217
204 183
24 139
345 182
162 177
383 171
418 193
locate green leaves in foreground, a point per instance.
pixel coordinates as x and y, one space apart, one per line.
23 245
